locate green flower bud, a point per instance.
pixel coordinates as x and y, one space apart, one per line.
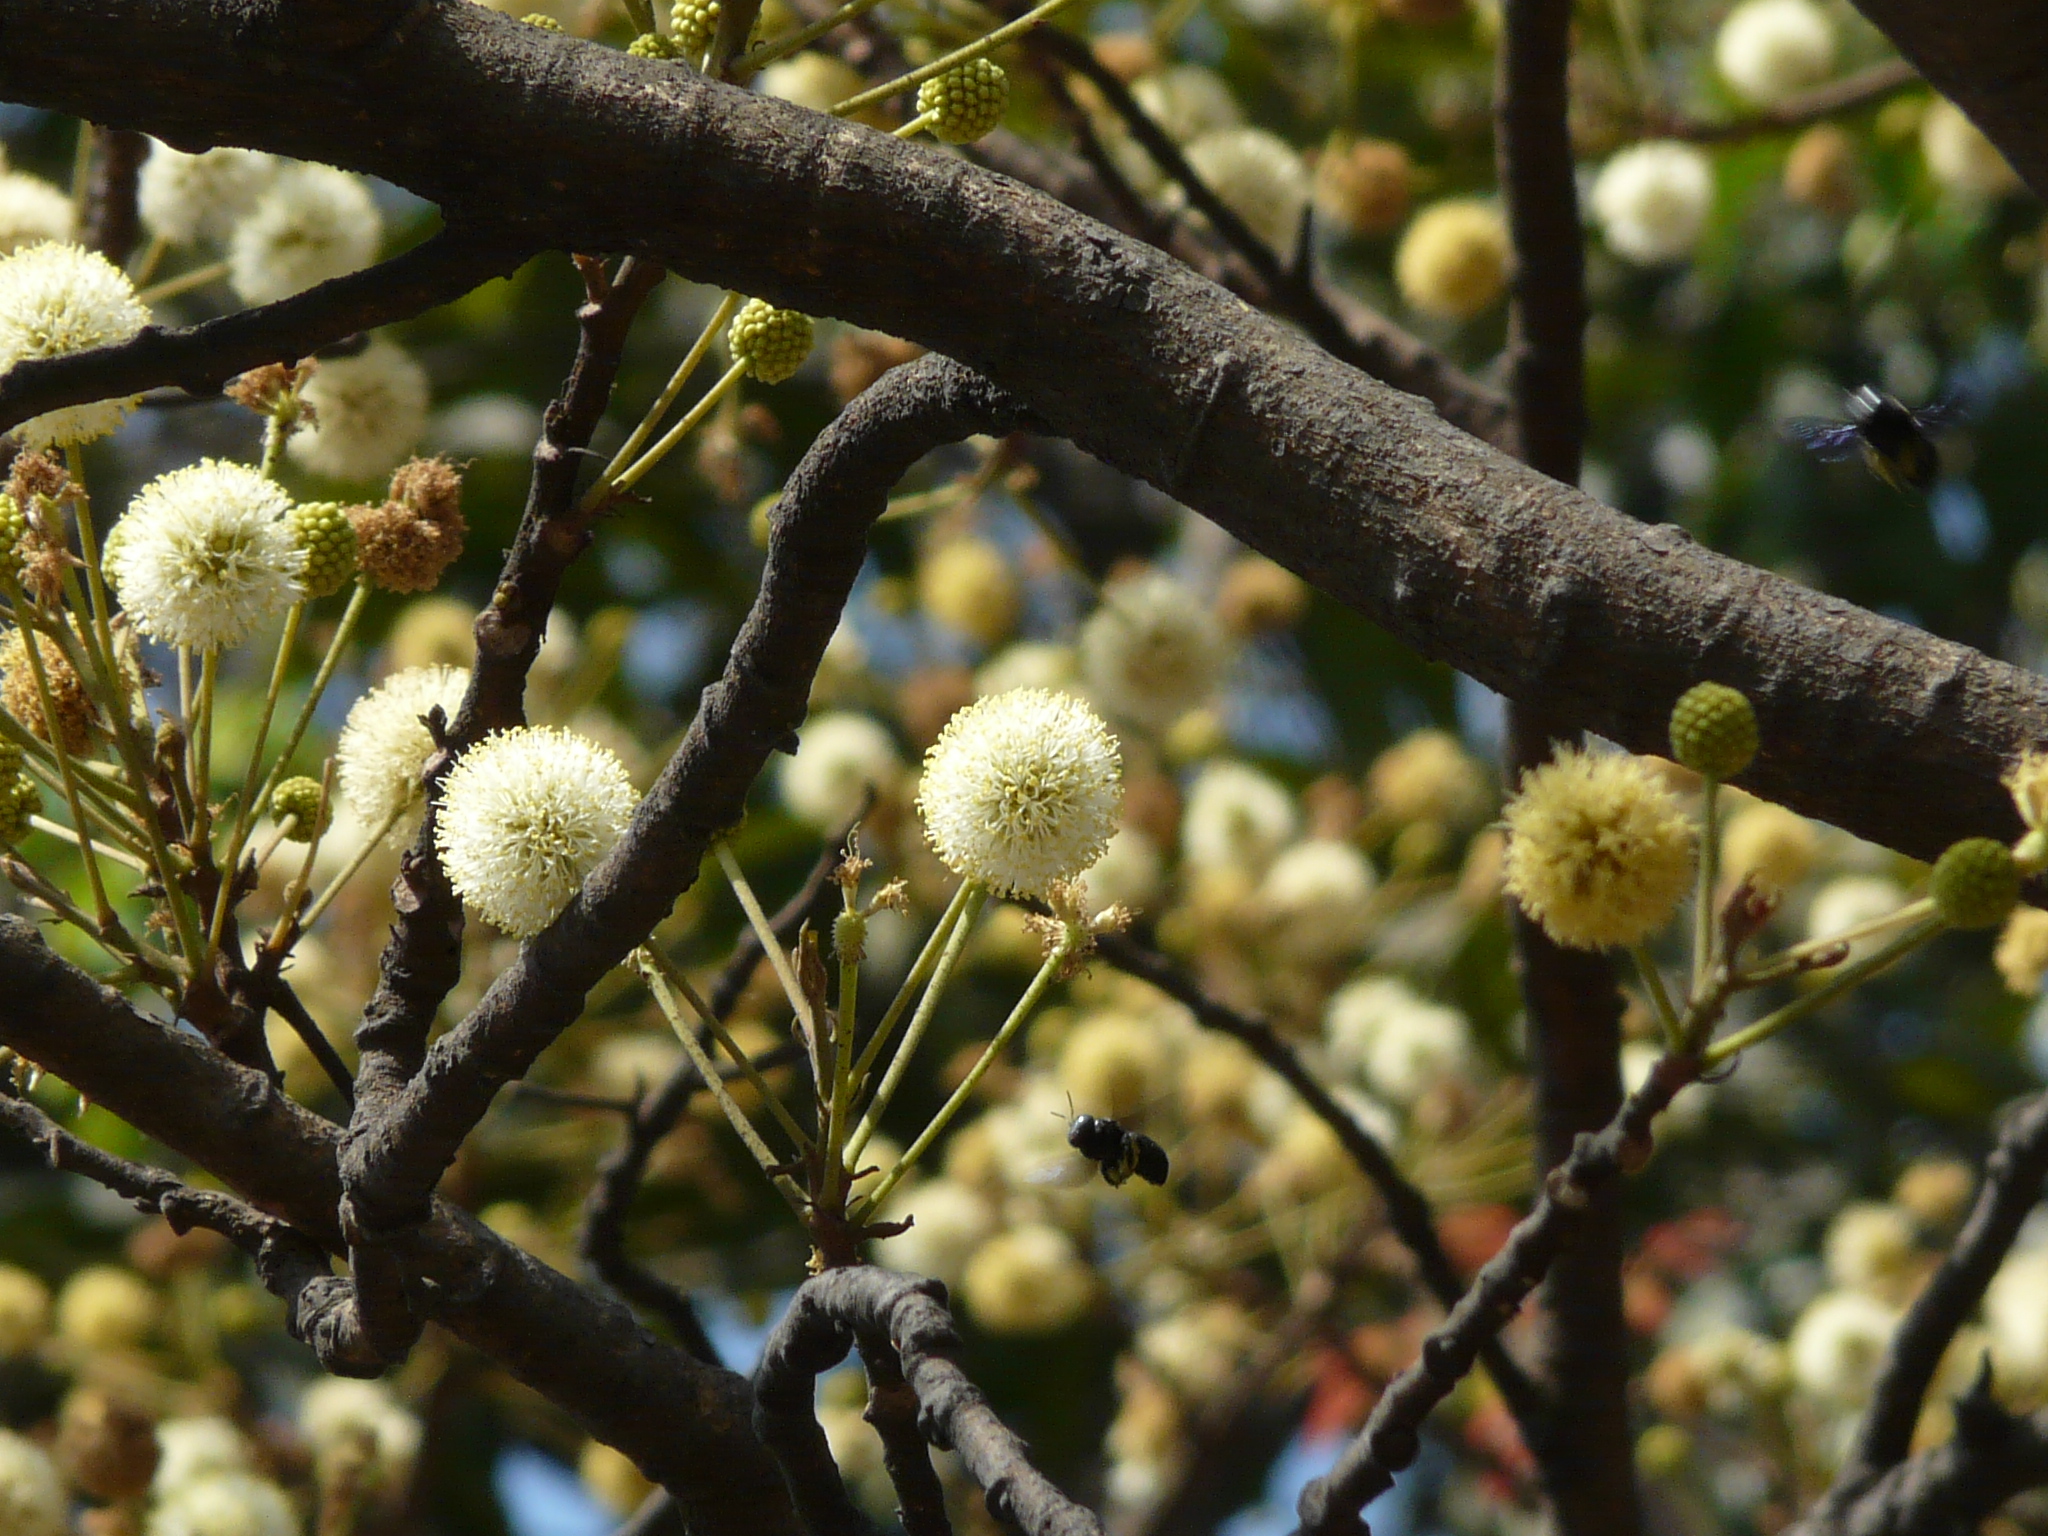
652 45
772 342
1975 883
969 100
690 25
10 758
1713 731
13 524
323 531
296 805
850 937
545 23
20 798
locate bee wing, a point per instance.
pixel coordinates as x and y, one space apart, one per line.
1823 439
1069 1172
1953 407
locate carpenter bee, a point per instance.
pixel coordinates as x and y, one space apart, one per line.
1117 1151
1893 439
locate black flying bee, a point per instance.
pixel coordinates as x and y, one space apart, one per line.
1893 439
1119 1152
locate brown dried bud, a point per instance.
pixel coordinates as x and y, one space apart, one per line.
1258 596
37 474
861 357
68 698
107 1449
43 563
273 388
406 544
1127 55
1364 187
1822 171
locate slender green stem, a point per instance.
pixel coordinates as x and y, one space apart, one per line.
939 66
652 971
33 652
1709 877
741 1059
245 813
328 663
790 42
915 126
920 1021
202 750
116 829
631 476
356 861
920 973
184 282
1792 957
1660 999
1838 983
152 257
840 1106
276 433
104 847
1033 995
764 931
688 366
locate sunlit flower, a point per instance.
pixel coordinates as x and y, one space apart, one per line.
226 1504
1775 847
1770 50
2022 952
1652 201
1599 852
1317 897
1870 1247
1199 1349
2016 1313
1027 1280
24 1311
1151 651
206 556
311 223
525 815
811 79
1452 263
1236 819
384 743
1397 1042
32 211
1022 789
1849 902
968 584
1429 776
183 198
950 1221
56 300
190 1450
1837 1346
1115 1064
839 757
337 1415
1187 101
369 412
1260 178
102 1308
32 1497
1960 157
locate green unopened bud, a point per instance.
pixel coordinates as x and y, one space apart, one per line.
20 798
13 524
772 342
10 758
850 937
296 805
1975 883
1663 1451
544 22
323 531
1713 731
690 25
652 45
970 101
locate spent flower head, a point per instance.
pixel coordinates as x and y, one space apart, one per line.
1599 851
207 555
385 743
407 543
1021 790
59 299
524 816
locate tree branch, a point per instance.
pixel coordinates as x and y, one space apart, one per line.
831 1311
1391 1438
1847 94
1526 585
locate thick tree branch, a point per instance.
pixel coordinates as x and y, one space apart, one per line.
685 1424
1408 1211
830 1312
1526 585
1391 1438
111 218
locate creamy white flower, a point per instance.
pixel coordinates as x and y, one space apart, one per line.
189 1450
1837 1346
1029 1279
811 79
59 299
838 758
1115 1064
1738 1369
183 198
24 1312
1236 818
32 1499
1022 789
205 556
2016 1313
227 1504
1652 201
1199 1349
369 412
310 224
1027 664
1260 178
1318 898
525 815
337 1414
1770 50
384 742
105 1309
1398 1042
948 1222
32 211
1960 157
1870 1247
1187 101
1130 872
1151 651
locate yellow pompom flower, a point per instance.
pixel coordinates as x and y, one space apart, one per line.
1599 851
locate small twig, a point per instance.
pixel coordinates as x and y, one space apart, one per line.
1831 100
278 993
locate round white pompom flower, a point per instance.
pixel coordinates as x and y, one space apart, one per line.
32 1500
840 755
1022 789
311 224
369 412
183 198
230 1504
1652 201
1770 50
59 299
32 211
525 815
385 743
205 556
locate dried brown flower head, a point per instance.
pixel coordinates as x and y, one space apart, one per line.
407 543
274 389
68 699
